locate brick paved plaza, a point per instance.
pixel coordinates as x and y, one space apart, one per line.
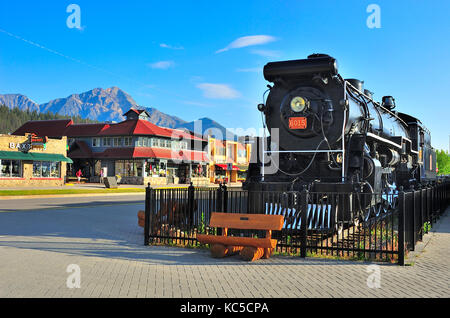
104 240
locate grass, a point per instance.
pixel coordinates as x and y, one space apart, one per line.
66 191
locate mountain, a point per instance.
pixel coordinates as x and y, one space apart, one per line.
98 104
108 105
18 100
162 119
207 126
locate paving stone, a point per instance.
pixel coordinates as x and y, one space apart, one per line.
105 241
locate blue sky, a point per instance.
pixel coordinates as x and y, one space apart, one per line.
185 57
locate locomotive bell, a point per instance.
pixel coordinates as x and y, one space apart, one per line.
388 102
358 84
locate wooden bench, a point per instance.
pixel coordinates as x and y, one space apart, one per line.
249 248
141 218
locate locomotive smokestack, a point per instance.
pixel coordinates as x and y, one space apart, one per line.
314 64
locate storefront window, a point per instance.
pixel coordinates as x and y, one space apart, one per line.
10 168
46 169
129 168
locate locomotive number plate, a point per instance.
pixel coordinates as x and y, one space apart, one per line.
298 123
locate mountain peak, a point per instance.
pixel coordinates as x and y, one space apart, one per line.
109 104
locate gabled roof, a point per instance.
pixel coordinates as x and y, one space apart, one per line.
58 128
45 128
137 111
80 150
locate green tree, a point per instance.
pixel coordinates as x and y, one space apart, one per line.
12 119
443 162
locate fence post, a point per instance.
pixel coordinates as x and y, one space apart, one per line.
413 219
190 215
225 198
421 213
219 206
147 214
304 220
401 226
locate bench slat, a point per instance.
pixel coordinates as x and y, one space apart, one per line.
247 221
236 241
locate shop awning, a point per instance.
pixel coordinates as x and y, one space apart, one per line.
225 167
242 167
33 156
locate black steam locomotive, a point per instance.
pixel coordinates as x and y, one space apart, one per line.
327 134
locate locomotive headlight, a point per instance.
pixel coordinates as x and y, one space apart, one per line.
298 104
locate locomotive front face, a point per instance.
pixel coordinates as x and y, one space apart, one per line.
304 106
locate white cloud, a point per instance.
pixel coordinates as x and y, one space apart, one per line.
168 46
162 65
218 91
248 41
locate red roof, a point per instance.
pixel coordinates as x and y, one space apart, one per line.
58 128
225 167
184 155
80 150
45 128
147 152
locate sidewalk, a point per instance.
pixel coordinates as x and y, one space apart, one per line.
107 244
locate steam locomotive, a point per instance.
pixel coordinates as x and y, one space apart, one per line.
328 134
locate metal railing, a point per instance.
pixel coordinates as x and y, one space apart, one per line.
382 227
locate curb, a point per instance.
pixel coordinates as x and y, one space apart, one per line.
37 196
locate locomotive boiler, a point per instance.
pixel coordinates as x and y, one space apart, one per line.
328 134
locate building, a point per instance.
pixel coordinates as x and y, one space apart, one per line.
229 160
135 150
31 161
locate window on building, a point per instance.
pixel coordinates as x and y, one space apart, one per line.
46 169
10 168
95 142
220 151
144 141
127 141
117 141
106 142
242 153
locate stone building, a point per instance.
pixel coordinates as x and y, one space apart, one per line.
32 161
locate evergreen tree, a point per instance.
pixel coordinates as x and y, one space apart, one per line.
12 119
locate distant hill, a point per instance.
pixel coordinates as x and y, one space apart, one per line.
162 119
19 101
98 104
104 105
13 118
209 127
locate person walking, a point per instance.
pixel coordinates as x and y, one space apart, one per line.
79 174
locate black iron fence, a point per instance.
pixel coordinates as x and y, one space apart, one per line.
344 225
